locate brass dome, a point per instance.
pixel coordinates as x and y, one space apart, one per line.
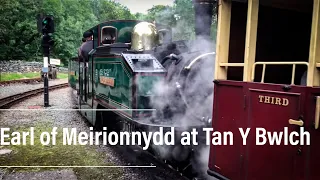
144 36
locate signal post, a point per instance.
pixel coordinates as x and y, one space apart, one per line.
47 28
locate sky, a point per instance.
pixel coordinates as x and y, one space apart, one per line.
143 5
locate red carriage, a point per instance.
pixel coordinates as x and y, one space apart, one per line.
267 75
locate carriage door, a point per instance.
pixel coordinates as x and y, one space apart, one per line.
85 82
273 110
82 83
313 109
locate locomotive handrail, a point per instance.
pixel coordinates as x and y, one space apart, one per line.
277 63
197 58
183 97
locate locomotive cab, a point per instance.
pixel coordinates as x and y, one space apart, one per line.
267 76
121 69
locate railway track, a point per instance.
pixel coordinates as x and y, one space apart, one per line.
139 155
21 81
7 101
131 152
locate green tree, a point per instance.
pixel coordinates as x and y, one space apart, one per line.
18 32
19 38
180 17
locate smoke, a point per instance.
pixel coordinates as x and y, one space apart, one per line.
202 161
184 99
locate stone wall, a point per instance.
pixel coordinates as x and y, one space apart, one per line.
24 66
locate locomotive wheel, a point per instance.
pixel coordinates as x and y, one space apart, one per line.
108 119
98 124
102 120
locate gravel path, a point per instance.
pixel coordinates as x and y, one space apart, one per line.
11 89
116 155
48 175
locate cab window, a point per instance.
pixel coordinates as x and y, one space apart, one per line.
108 35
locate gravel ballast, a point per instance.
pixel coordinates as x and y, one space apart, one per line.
16 88
98 155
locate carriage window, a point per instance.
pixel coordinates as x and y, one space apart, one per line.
108 35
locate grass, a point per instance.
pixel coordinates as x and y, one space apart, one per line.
16 76
62 76
57 155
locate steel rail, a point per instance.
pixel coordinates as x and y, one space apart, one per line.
7 101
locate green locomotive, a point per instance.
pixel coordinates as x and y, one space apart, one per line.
146 81
114 77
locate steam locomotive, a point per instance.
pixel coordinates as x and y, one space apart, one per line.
146 81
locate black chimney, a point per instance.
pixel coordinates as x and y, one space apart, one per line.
203 17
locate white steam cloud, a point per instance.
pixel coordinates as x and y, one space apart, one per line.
186 101
195 105
189 98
